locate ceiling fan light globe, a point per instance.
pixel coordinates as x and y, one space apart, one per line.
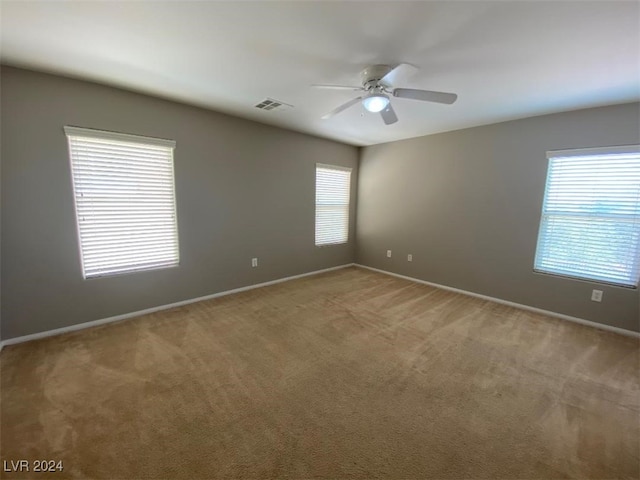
376 102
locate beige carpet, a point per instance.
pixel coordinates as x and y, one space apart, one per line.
349 374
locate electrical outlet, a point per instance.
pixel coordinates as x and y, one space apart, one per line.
596 295
254 262
409 258
389 253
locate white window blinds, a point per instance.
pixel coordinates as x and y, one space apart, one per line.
125 201
590 226
333 187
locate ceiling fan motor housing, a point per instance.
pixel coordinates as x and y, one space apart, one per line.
370 76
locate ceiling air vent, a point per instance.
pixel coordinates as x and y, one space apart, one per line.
271 104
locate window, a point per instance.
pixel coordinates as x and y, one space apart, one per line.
125 201
333 187
590 226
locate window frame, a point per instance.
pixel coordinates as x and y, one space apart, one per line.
116 137
341 168
580 152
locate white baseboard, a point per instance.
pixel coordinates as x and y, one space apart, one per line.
581 321
117 318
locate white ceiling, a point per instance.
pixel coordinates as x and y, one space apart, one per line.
505 60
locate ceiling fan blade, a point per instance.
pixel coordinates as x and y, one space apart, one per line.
338 87
425 95
389 115
341 108
402 72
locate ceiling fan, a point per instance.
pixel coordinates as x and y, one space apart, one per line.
378 85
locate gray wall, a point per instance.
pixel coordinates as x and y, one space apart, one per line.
242 189
467 205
